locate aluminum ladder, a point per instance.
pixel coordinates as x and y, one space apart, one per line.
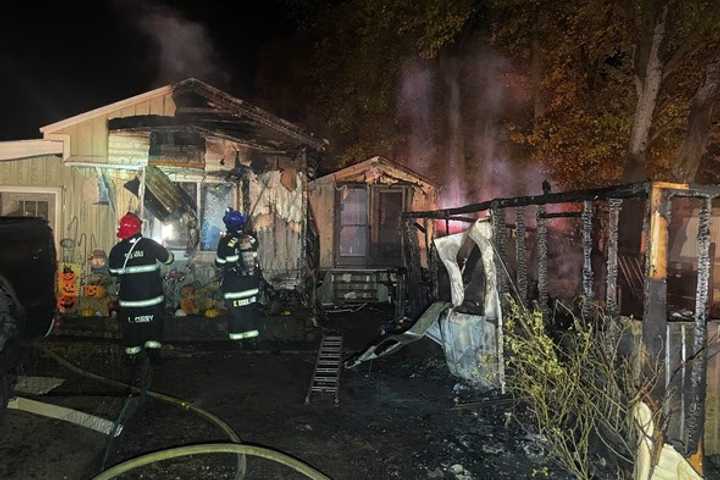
328 367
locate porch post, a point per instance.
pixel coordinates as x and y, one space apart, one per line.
654 322
698 368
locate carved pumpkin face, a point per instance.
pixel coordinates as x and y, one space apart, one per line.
68 275
90 290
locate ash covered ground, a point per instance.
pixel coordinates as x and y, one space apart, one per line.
396 419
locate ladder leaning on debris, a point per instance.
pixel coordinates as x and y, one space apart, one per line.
328 366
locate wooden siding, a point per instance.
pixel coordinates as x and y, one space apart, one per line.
322 203
128 148
89 139
79 195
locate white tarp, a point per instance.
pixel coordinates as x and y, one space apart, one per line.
473 344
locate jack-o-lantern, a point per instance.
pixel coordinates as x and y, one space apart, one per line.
68 289
94 290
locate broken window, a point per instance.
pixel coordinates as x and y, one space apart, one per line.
215 198
176 235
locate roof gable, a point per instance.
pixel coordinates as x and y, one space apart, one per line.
392 169
198 97
106 110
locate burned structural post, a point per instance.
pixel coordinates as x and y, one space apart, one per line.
587 272
654 322
521 255
542 265
432 259
499 231
416 295
696 411
611 299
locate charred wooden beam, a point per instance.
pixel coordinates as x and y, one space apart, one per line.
587 272
433 261
499 238
240 107
698 371
521 276
414 289
612 257
542 265
621 191
563 215
242 136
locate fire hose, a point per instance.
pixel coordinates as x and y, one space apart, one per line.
239 449
208 448
242 463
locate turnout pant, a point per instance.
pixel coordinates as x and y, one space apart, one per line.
142 328
244 322
241 294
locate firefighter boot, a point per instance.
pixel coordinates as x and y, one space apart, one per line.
155 356
139 370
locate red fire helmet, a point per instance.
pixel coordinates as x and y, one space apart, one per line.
130 225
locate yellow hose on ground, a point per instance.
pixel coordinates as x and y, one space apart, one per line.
242 462
207 448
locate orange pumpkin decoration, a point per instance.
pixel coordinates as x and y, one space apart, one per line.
68 290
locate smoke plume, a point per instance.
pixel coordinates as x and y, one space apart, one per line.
453 112
183 48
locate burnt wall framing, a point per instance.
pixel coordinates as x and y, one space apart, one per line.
654 246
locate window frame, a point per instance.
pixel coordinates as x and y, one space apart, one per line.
200 180
57 192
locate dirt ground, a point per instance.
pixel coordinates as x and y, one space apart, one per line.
395 421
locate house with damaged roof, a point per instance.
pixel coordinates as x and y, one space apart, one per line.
177 155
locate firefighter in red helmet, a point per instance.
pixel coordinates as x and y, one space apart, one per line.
136 260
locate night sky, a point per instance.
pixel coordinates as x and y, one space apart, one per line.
58 60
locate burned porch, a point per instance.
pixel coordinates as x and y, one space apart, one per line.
643 254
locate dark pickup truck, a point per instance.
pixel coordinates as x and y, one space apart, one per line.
27 291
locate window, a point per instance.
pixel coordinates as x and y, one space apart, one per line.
354 223
368 227
213 199
27 205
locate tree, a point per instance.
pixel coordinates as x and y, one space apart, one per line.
358 49
619 72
